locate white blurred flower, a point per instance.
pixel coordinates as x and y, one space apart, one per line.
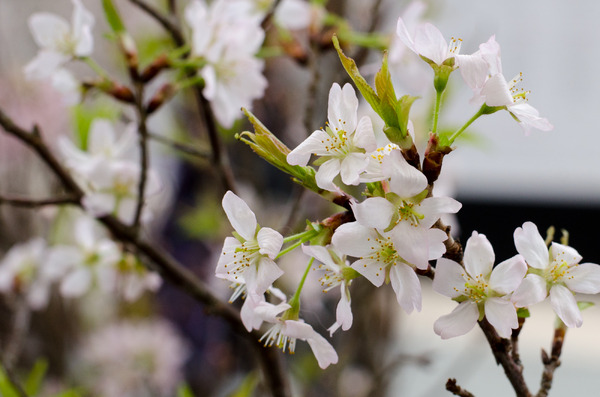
59 41
23 271
227 35
133 359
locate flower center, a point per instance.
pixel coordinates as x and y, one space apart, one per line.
519 94
274 336
476 289
454 46
558 270
243 257
337 144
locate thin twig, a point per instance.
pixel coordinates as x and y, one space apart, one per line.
19 328
143 147
552 362
455 389
34 203
182 147
163 20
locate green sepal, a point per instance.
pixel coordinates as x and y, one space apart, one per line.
112 17
349 273
523 312
584 305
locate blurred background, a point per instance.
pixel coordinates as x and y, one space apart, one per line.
502 177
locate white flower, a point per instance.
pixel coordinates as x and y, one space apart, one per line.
428 42
285 332
249 257
380 260
481 290
482 71
113 190
91 259
227 35
68 87
336 276
556 272
59 41
23 271
342 146
129 359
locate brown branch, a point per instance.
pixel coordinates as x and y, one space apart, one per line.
171 270
163 20
455 389
34 203
552 362
502 349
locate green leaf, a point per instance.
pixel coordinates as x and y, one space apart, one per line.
365 89
386 94
112 17
6 387
36 376
184 391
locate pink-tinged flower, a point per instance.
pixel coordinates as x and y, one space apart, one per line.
249 256
227 35
284 333
343 145
482 71
337 274
555 272
480 290
23 272
59 41
428 42
379 260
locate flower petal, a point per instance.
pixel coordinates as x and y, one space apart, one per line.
411 243
584 278
560 253
269 241
507 275
375 212
364 137
342 107
460 321
354 239
327 171
430 43
407 287
405 180
267 272
501 313
371 269
564 304
496 92
479 256
343 312
48 30
351 166
240 215
531 245
533 289
449 279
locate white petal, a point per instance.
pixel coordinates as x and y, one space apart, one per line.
351 166
240 215
375 212
508 275
266 274
293 14
38 296
342 107
269 241
529 117
561 253
371 269
407 287
479 256
354 239
584 278
531 245
321 254
364 137
564 304
496 92
474 70
268 311
405 180
313 144
101 137
343 312
325 174
76 283
449 278
323 351
430 43
501 313
48 30
435 239
412 244
248 314
460 321
405 36
44 65
434 207
533 289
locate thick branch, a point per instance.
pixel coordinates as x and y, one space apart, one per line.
552 362
163 20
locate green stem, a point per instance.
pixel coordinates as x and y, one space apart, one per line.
436 110
299 235
295 301
480 112
307 236
96 68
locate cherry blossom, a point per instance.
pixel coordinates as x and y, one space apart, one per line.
284 332
59 41
227 35
428 42
343 145
249 256
337 274
555 272
481 289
